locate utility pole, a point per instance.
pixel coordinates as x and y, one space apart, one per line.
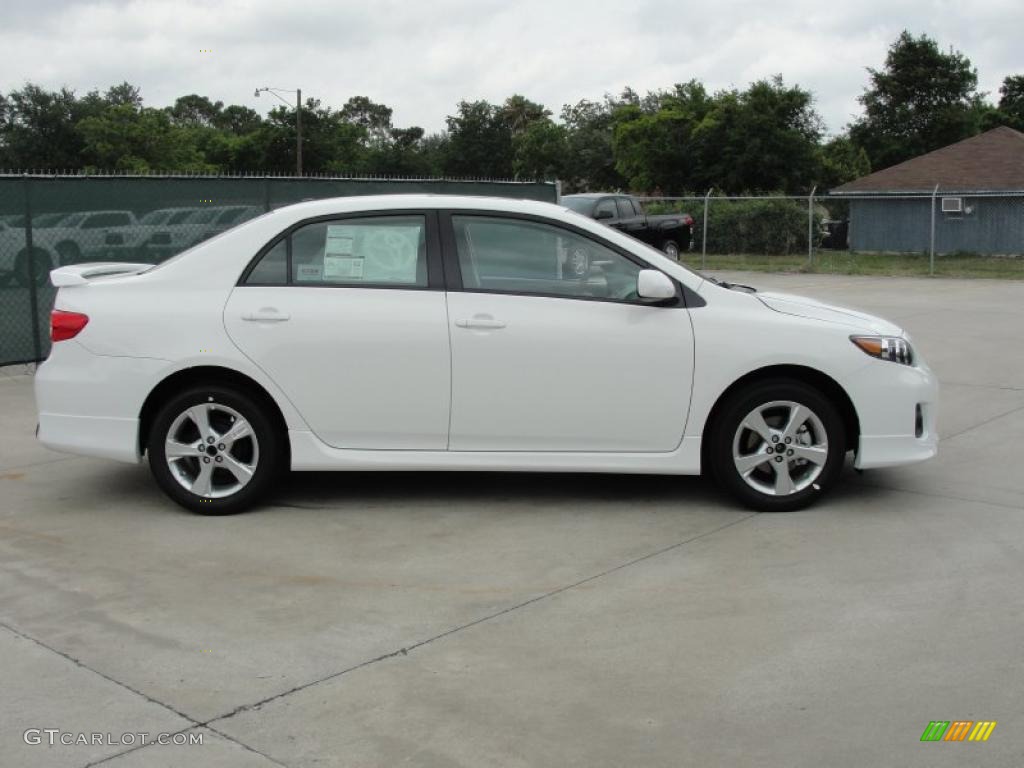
298 132
298 119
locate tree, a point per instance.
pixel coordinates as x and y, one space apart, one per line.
842 161
238 120
127 138
680 141
762 139
1011 97
1010 111
923 99
373 118
480 142
38 128
539 151
518 113
195 111
589 163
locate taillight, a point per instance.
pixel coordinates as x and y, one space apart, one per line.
66 325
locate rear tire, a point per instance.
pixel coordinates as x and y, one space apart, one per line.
671 249
36 270
777 445
241 456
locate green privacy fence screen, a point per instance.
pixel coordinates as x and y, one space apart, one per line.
48 221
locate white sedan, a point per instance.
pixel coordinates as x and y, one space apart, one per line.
465 333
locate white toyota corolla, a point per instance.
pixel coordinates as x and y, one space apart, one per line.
465 333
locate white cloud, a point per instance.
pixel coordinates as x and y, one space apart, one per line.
421 58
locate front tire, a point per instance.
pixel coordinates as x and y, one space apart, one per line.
777 445
214 450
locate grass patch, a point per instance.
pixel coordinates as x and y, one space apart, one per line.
852 263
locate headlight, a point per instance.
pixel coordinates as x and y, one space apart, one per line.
891 348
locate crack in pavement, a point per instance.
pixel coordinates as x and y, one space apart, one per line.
897 489
538 598
983 423
404 651
81 665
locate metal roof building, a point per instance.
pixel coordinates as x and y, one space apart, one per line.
967 197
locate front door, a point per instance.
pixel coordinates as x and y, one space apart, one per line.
549 356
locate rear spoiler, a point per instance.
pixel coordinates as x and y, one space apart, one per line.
81 274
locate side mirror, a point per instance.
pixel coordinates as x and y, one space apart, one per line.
653 285
604 213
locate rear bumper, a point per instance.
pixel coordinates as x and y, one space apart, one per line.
103 437
90 404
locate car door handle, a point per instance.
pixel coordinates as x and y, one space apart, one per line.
480 322
266 315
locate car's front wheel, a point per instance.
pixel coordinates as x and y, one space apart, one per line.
777 445
214 450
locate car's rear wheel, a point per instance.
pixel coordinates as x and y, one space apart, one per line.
34 269
214 450
671 249
777 445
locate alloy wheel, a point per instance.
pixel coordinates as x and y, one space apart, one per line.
780 448
211 450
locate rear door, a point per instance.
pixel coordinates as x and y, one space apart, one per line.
347 315
629 220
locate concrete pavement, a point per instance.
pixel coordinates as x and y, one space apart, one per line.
532 620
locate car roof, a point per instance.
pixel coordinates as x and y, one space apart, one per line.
413 201
596 195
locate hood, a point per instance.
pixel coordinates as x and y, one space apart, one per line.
801 306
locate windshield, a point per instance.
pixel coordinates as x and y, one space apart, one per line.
72 220
201 217
47 220
155 217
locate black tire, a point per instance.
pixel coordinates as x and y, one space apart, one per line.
269 443
671 249
38 271
724 432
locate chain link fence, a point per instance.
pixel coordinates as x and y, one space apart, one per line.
50 221
939 233
53 220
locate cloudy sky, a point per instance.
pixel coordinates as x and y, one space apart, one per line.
422 56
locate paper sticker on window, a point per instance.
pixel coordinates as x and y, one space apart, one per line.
339 241
374 253
344 267
309 273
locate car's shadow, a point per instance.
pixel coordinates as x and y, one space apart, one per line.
325 489
344 490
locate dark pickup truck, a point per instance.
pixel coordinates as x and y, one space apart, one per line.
669 232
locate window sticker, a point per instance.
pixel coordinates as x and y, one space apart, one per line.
371 253
309 273
339 260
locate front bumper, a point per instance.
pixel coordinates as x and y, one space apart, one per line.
887 397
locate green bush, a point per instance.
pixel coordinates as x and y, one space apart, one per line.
776 227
